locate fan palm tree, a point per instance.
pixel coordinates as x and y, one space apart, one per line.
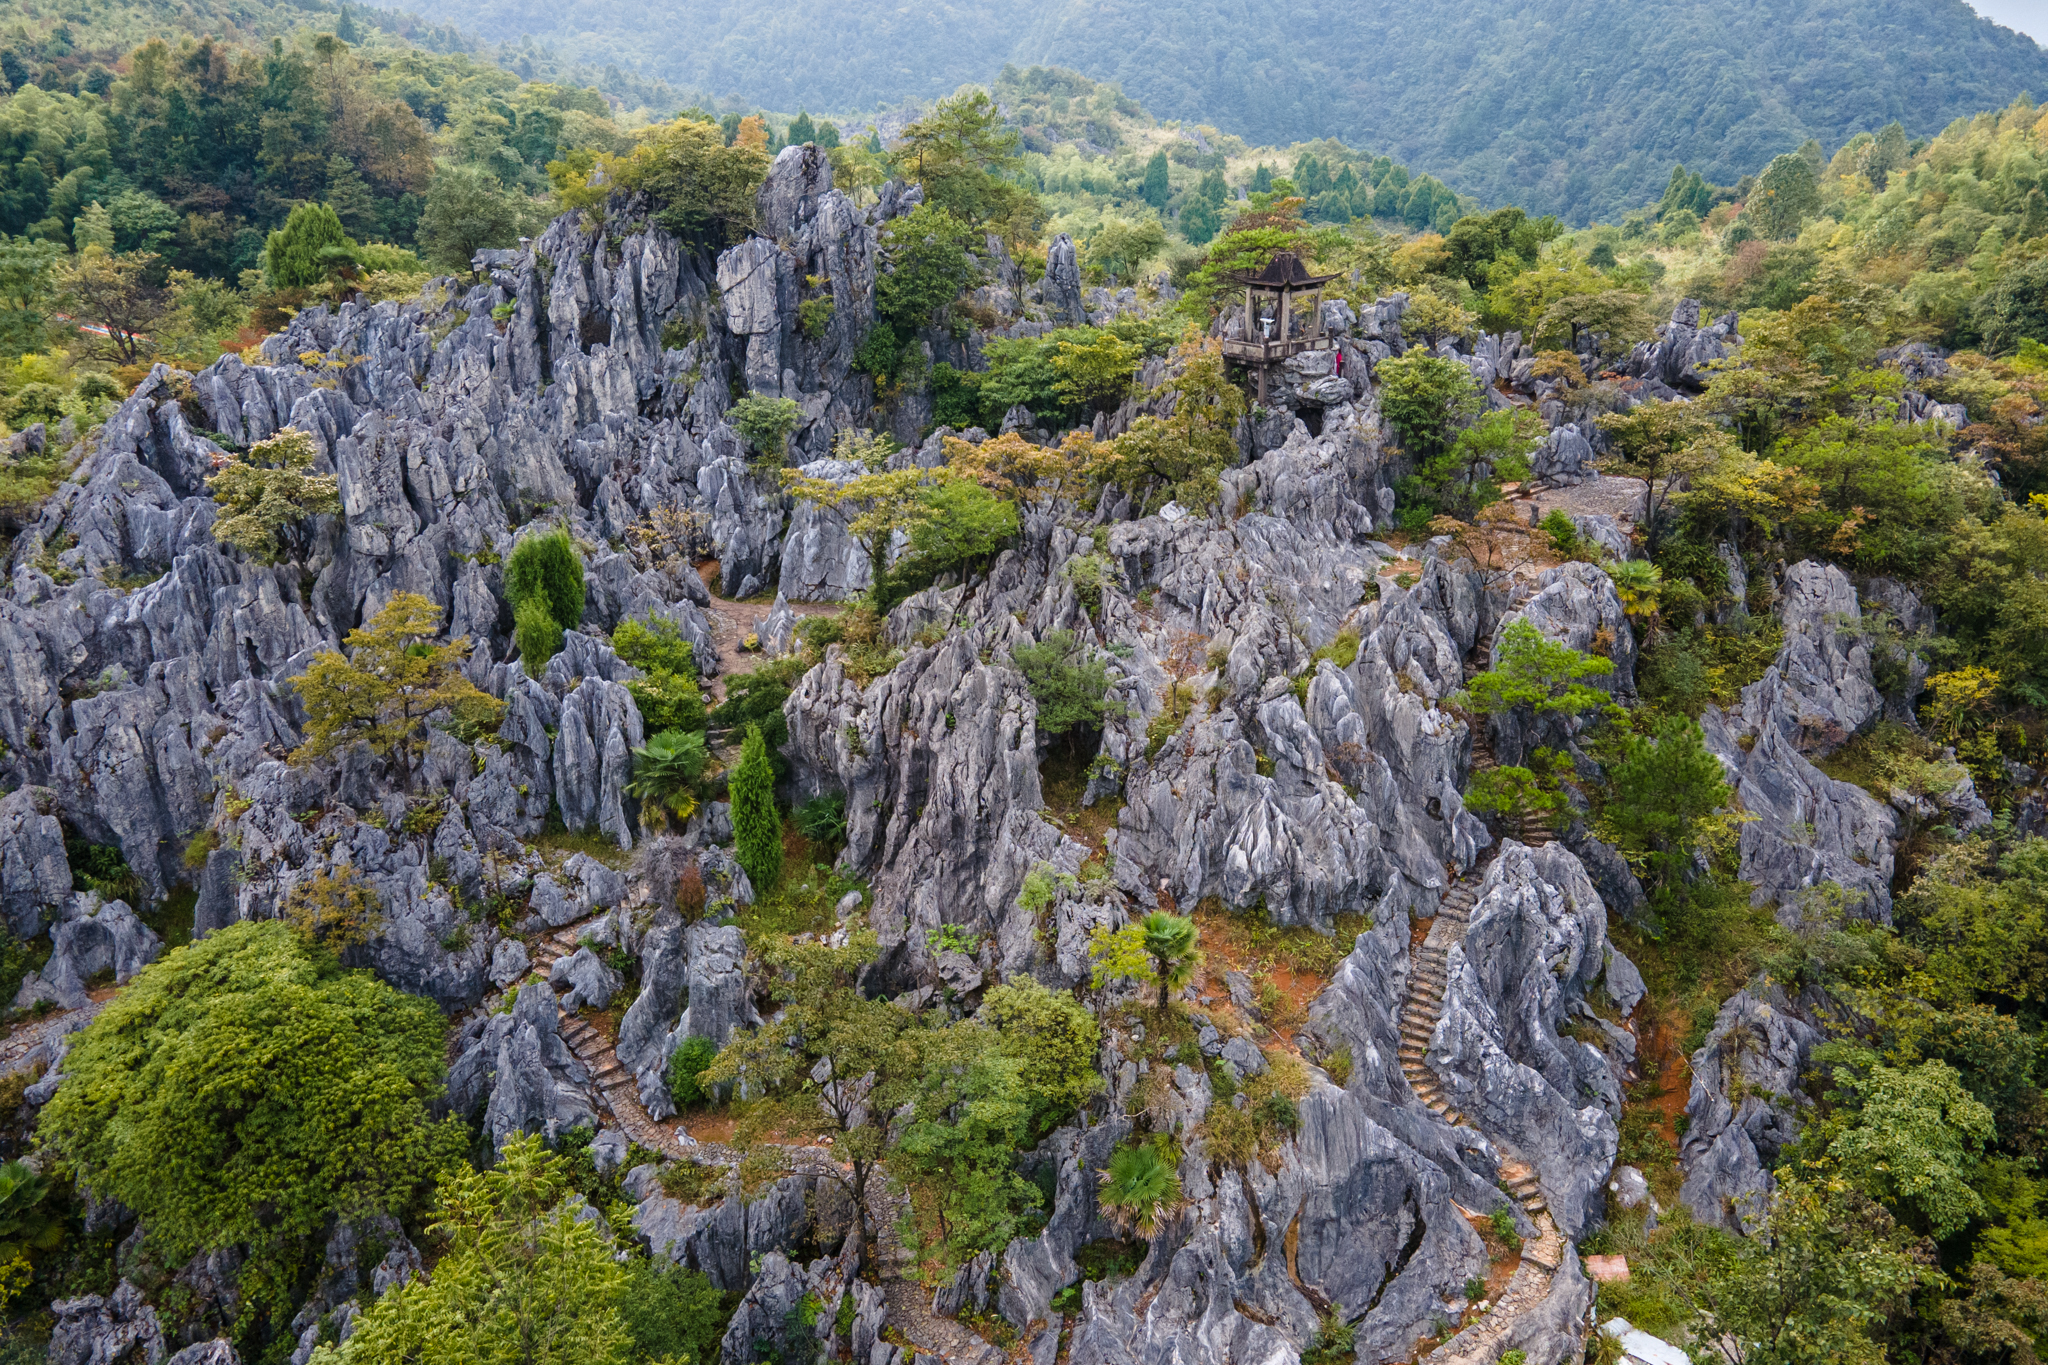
1140 1189
665 773
1170 943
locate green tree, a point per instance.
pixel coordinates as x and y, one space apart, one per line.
1786 195
1156 188
672 1313
1911 1137
756 821
118 294
1663 444
686 1068
1122 245
959 152
971 1112
1516 793
765 424
244 1091
1426 398
545 568
310 247
268 489
702 181
1541 674
1055 1042
1067 684
28 278
1819 1281
802 130
1179 457
1200 221
964 524
537 633
667 694
1661 790
925 267
830 1062
467 211
523 1279
1096 373
1468 476
392 680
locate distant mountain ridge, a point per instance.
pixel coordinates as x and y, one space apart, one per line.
1577 107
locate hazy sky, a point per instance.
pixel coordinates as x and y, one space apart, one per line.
2028 16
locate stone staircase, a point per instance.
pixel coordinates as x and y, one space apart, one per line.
1422 1007
616 1090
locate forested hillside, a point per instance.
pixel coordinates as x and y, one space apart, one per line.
1576 108
766 737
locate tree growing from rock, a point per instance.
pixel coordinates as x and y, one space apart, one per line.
1534 671
1170 942
876 507
665 773
243 1091
1139 1189
1067 684
831 1062
310 247
267 490
383 692
544 583
523 1279
756 822
765 424
1427 398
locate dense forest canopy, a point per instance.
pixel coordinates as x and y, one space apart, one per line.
1574 108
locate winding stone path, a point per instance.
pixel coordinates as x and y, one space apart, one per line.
1481 1342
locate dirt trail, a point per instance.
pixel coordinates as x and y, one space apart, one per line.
732 622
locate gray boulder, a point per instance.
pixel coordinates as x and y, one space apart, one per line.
1744 1107
106 1329
1062 284
219 1351
518 1071
1564 459
93 938
591 984
35 877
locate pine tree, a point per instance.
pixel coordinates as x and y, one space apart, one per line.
1156 188
298 255
802 130
874 142
346 30
756 823
547 567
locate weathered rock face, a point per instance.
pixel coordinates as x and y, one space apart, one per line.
91 938
1809 828
721 1239
519 1071
938 761
1744 1106
35 877
1565 458
1536 944
1062 285
106 1329
1574 604
1351 1216
1678 358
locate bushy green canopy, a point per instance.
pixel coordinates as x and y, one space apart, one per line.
245 1089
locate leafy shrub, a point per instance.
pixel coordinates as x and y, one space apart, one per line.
1140 1188
267 489
765 424
685 1065
1068 686
669 696
822 819
538 633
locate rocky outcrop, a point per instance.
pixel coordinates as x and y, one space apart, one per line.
35 877
1808 828
518 1072
107 1329
1565 459
91 939
1744 1107
721 1240
1062 284
938 763
1536 945
1350 1215
1679 357
1575 605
